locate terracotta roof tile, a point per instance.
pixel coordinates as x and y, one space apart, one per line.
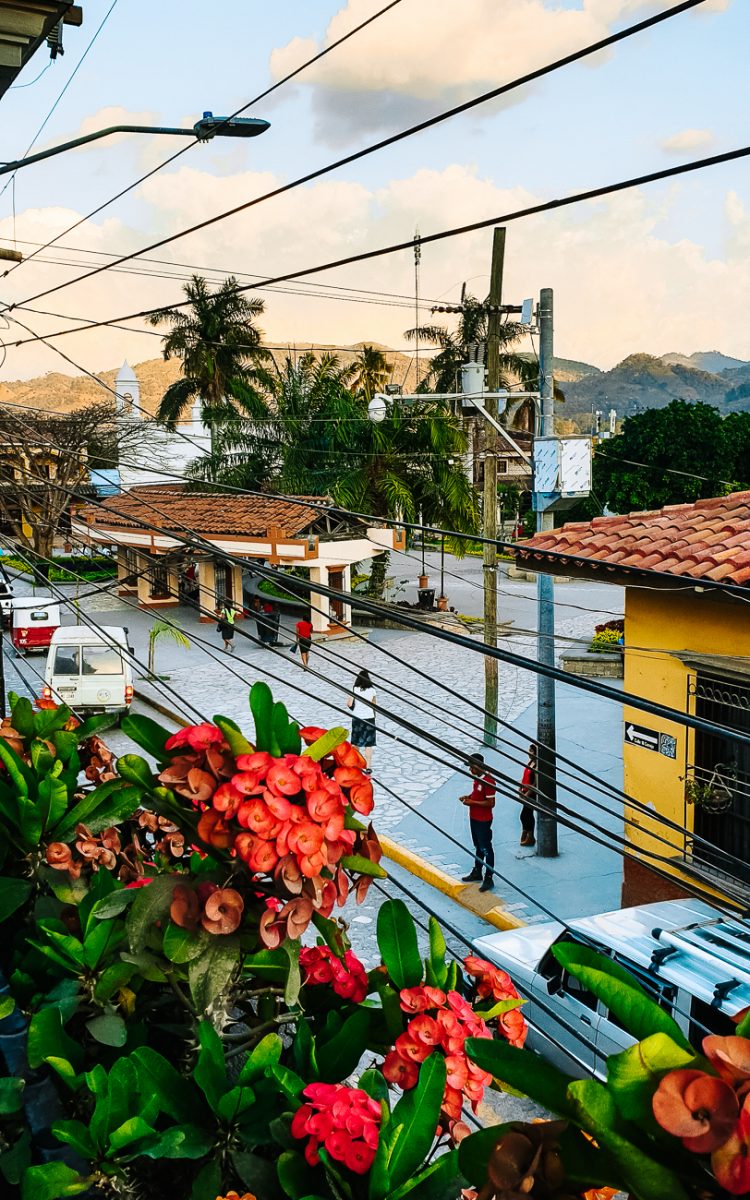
175 509
706 540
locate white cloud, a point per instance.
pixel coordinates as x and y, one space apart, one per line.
688 139
620 285
104 117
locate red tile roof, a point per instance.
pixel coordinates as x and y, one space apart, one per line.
172 508
707 540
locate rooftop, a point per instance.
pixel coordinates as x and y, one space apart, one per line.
708 540
168 507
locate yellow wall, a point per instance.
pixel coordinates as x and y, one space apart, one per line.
657 622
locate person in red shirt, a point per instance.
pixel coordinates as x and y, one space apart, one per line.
526 790
480 804
304 640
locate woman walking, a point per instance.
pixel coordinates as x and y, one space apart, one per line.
361 702
225 626
528 788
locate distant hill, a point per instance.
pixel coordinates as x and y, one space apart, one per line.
642 381
568 370
705 360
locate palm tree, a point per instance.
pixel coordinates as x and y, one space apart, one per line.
222 355
369 372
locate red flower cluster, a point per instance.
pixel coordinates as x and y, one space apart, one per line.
711 1113
443 1021
345 1120
347 976
284 817
492 983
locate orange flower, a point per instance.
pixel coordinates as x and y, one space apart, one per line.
212 829
223 911
59 856
698 1108
185 907
235 1196
226 799
347 755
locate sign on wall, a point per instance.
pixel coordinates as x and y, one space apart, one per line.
650 739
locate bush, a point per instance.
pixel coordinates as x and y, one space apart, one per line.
69 568
607 640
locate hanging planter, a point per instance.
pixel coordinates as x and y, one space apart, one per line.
714 795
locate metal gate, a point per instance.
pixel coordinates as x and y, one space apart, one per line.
718 779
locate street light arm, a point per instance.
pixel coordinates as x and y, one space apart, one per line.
500 429
203 130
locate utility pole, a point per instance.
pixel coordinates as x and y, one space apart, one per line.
546 738
417 261
3 708
490 487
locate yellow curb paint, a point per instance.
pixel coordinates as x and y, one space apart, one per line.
455 889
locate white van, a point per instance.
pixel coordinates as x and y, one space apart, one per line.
90 669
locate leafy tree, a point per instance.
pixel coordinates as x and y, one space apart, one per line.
223 358
368 373
672 455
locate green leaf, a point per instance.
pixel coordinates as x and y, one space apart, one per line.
42 757
21 777
109 1029
256 1173
15 1160
52 1181
289 1082
522 1070
234 1103
442 1180
7 1006
47 1037
294 978
149 735
210 1071
209 975
623 996
179 1141
75 1134
95 724
63 1068
104 806
11 1096
380 1180
22 714
113 904
234 736
363 866
594 1109
436 960
53 799
261 705
183 945
634 1074
135 1129
49 721
397 940
325 744
158 1078
743 1026
13 893
338 1056
373 1082
207 1184
414 1121
136 770
497 1010
294 1175
266 1054
151 904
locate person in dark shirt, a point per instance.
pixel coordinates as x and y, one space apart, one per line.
480 803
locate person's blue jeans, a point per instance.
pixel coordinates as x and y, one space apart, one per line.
481 836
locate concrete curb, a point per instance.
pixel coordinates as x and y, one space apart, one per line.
455 889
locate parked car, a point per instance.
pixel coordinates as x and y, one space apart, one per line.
694 962
90 669
34 620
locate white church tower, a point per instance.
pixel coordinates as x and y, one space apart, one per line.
152 454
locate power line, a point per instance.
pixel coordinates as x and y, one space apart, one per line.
184 149
392 139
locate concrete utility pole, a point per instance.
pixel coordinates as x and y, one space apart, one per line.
546 738
490 486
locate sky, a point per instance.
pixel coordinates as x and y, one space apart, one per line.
660 268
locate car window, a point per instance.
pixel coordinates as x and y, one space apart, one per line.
705 1019
100 660
550 968
66 660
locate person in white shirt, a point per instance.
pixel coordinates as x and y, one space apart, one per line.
362 704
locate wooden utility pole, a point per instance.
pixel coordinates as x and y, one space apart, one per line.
490 487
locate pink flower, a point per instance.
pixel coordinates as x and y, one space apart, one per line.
198 737
259 760
344 1120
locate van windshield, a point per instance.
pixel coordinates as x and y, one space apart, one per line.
66 660
100 660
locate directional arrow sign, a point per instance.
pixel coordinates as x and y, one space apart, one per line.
638 735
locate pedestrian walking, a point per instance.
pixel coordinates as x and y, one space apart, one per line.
480 804
527 789
304 629
225 625
361 702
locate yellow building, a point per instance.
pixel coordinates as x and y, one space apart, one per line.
686 574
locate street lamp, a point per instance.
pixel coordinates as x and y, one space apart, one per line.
377 409
208 127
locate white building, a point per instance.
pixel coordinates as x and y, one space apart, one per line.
157 453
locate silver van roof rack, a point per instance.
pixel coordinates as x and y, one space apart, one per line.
710 941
